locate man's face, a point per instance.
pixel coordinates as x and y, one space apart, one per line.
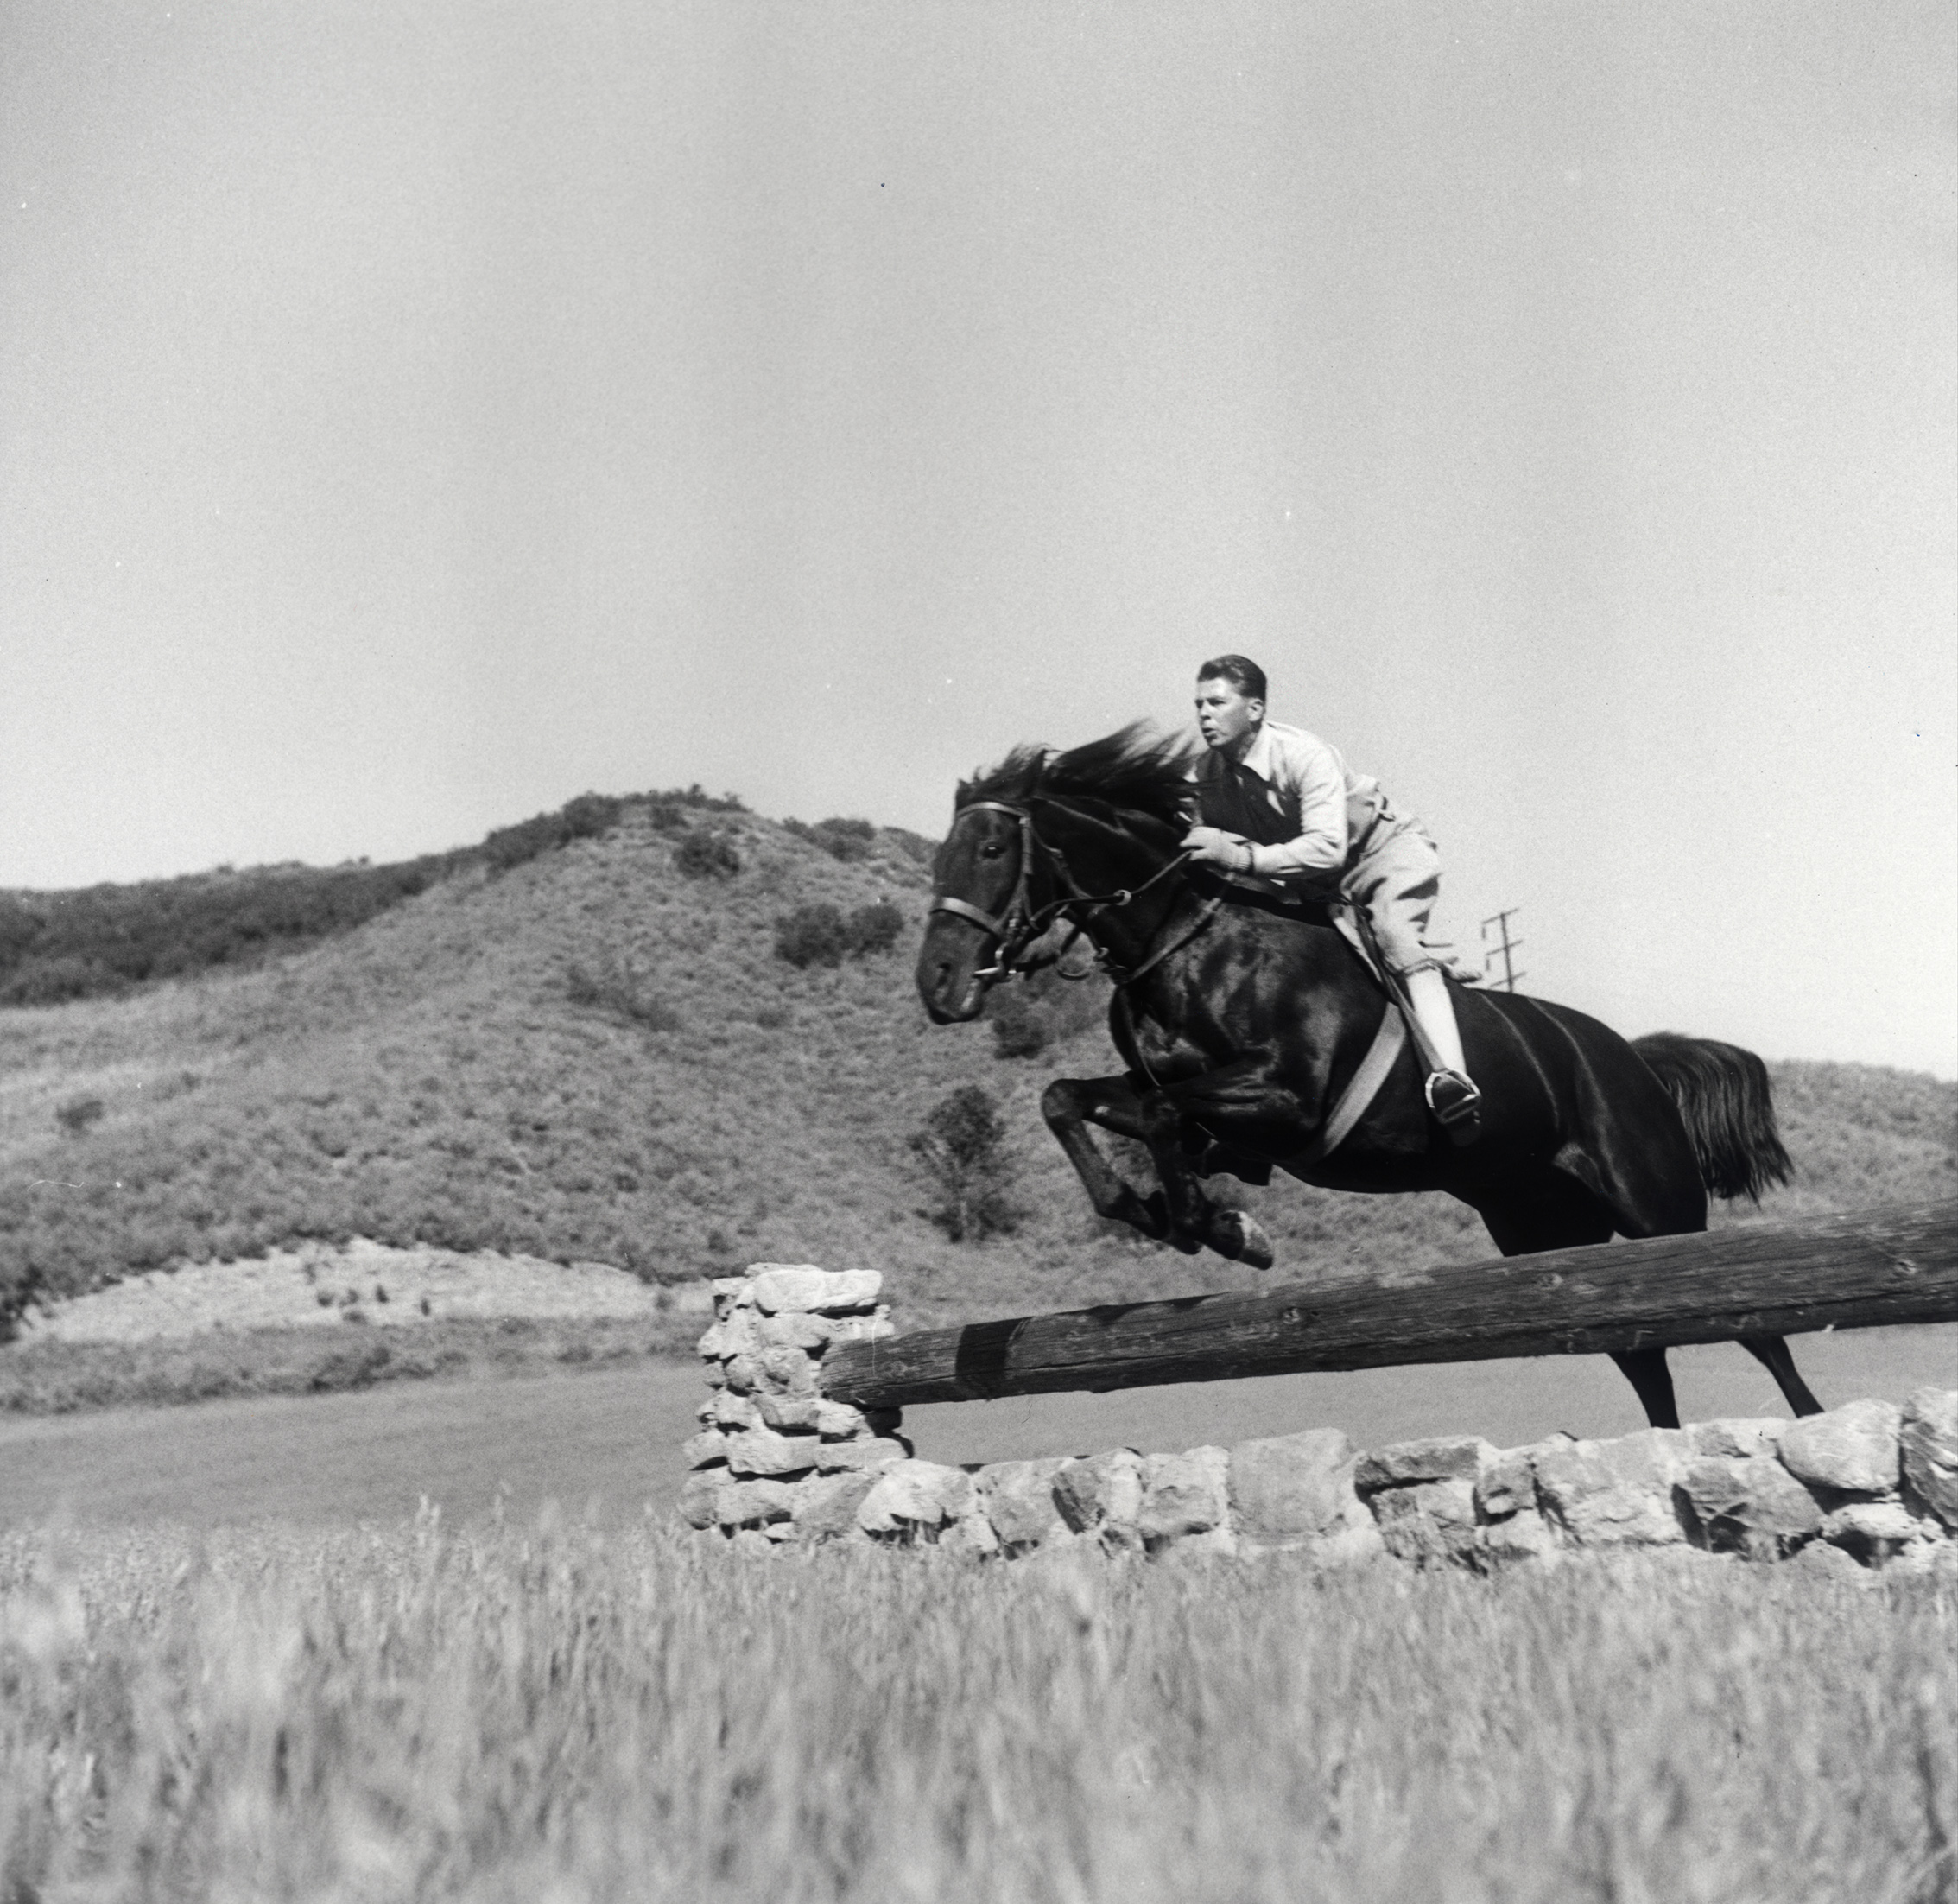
1225 715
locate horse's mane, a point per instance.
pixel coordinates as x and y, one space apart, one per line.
1134 771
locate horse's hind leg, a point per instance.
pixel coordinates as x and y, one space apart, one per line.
1772 1352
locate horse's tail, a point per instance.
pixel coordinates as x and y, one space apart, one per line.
1728 1105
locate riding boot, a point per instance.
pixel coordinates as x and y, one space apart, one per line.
1452 1096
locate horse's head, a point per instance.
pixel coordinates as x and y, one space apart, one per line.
989 883
1039 833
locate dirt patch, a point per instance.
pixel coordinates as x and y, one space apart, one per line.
328 1284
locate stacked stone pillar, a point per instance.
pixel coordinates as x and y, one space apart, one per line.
776 1460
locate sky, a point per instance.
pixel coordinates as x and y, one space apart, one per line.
412 417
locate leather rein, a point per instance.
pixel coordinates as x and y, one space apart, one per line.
1023 922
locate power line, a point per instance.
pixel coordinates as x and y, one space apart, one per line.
1508 949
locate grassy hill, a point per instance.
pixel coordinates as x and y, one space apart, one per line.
598 1053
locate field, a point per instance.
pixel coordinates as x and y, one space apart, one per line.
558 1713
236 1665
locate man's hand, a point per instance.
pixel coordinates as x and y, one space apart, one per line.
1211 846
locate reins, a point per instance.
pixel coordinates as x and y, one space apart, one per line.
1022 922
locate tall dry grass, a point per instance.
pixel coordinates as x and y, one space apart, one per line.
559 1715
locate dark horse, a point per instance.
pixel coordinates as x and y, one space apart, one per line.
1242 1021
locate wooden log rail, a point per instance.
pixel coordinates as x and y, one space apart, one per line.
1894 1264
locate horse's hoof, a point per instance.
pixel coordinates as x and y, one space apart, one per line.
1252 1245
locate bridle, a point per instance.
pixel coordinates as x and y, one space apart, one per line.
1023 922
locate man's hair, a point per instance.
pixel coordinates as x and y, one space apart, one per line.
1246 677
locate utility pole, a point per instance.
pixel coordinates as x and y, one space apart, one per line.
1508 949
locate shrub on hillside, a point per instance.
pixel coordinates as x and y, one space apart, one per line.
695 800
874 928
822 935
56 980
78 1113
617 985
845 840
962 1147
707 855
58 946
1020 1028
1027 1017
813 935
584 818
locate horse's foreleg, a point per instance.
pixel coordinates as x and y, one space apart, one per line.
1197 1220
1772 1352
1182 1214
1070 1105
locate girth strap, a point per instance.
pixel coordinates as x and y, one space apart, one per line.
1362 1087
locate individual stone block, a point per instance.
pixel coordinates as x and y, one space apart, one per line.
1218 1543
1428 1522
839 1421
1872 1530
1735 1439
1605 1494
733 1335
837 1457
700 1496
1018 1500
761 1451
742 1373
784 1371
1101 1490
1817 1559
775 1287
786 1412
706 1450
727 1291
726 1409
1751 1505
1506 1483
1358 1545
1287 1490
913 1496
797 1329
826 1506
1928 1434
1184 1494
971 1534
1853 1450
1445 1457
1524 1535
752 1503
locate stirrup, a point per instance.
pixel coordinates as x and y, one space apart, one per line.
1456 1104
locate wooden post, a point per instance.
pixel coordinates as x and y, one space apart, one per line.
1860 1271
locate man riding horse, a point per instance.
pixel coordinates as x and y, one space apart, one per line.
1281 813
1252 1039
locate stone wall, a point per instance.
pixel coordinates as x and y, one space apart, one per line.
776 1462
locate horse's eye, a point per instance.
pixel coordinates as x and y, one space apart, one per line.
992 850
